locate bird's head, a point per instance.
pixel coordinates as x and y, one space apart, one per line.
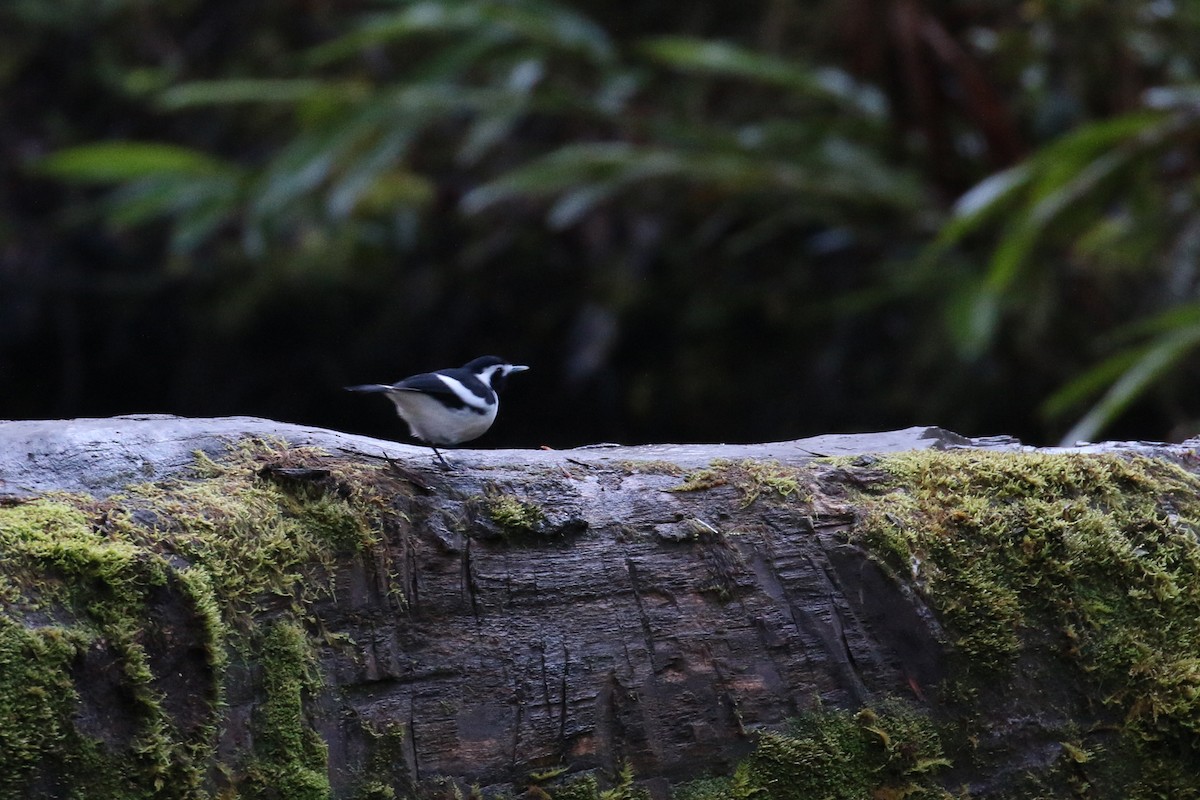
493 370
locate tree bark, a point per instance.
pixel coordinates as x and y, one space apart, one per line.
531 610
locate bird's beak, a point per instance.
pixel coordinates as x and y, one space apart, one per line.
517 368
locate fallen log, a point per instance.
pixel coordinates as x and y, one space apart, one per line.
243 608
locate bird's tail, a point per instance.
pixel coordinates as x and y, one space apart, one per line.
370 387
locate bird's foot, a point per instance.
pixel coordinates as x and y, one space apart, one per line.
446 465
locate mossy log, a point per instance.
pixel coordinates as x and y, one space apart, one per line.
221 608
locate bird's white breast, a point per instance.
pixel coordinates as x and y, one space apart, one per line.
432 422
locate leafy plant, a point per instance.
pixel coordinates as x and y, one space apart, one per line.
1102 200
719 180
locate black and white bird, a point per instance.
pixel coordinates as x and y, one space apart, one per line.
449 406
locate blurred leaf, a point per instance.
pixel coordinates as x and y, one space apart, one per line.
314 156
1146 365
981 202
149 198
558 171
1043 175
1186 97
1106 240
575 204
110 162
423 103
370 166
393 191
198 206
971 315
1053 199
542 23
1054 182
256 90
301 167
1089 384
833 173
1064 173
1170 329
1058 160
859 174
451 64
486 133
195 229
1162 327
1170 320
711 57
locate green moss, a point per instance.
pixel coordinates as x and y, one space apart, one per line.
290 759
385 767
891 752
37 696
888 753
586 787
652 467
97 598
80 700
753 480
738 787
1088 561
513 515
253 536
704 479
894 752
1087 566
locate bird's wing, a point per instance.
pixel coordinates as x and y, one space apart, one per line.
430 384
451 389
426 382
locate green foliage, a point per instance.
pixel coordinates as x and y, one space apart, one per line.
351 138
737 787
1129 373
724 59
196 190
1086 191
525 22
719 180
582 788
109 162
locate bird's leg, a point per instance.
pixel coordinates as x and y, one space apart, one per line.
445 463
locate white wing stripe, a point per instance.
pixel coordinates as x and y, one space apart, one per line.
466 395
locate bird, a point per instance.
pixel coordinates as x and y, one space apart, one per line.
449 406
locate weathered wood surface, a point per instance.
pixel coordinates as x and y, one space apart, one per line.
634 624
103 455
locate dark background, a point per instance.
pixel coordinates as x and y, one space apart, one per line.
694 221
